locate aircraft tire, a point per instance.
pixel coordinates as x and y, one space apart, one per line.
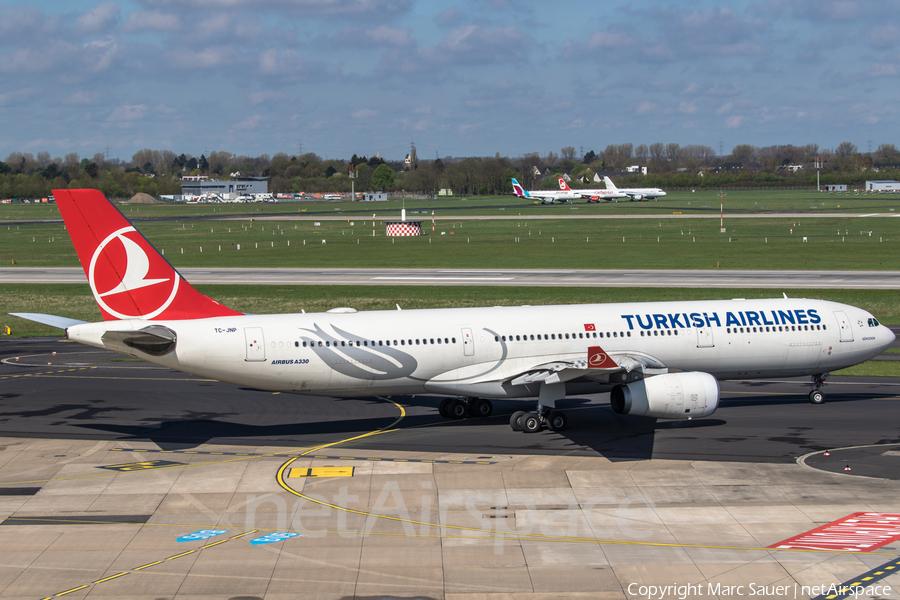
556 421
443 406
530 423
817 397
481 408
457 409
514 420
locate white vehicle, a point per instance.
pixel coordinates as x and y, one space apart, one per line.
657 359
634 193
332 197
545 196
593 195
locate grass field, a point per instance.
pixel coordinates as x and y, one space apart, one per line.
824 243
686 202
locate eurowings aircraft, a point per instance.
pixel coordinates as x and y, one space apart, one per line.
657 359
635 193
545 196
593 195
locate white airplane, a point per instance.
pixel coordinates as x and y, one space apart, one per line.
657 359
593 195
545 196
635 193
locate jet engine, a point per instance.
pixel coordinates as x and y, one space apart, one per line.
669 396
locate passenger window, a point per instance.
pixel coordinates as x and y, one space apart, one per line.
452 339
432 340
567 336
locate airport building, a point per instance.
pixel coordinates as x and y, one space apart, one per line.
883 185
199 185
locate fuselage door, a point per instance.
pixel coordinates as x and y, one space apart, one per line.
705 337
256 344
844 326
468 342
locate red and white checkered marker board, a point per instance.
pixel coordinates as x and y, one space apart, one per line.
859 532
403 229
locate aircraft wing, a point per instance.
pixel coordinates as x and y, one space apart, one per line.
598 365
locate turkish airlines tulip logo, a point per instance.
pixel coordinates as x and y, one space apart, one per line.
596 360
124 263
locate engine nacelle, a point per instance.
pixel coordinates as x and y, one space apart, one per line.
670 396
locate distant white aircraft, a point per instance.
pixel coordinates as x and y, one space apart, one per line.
546 196
635 193
593 195
657 359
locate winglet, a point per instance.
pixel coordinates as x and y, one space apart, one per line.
599 359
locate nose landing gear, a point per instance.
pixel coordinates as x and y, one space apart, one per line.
816 396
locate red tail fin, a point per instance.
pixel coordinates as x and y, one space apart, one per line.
129 278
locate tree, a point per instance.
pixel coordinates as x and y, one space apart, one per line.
92 170
642 153
887 153
845 149
203 164
382 177
657 152
567 153
589 157
673 153
744 153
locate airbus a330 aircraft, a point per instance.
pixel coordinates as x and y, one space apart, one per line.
546 196
634 193
593 195
659 359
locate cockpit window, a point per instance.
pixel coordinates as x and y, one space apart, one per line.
873 322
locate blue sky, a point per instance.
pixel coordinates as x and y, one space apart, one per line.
470 78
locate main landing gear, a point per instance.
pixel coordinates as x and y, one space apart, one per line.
459 408
532 422
816 396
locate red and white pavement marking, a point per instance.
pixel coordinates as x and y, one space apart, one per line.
859 532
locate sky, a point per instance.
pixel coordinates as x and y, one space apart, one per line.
470 78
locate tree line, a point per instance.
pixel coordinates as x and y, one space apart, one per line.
159 172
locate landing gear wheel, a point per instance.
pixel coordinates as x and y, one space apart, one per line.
457 409
556 421
481 408
444 406
817 397
514 420
530 423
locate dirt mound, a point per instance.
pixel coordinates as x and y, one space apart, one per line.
143 198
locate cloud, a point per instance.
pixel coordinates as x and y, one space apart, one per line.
687 108
127 113
365 113
100 18
17 96
207 58
725 108
265 96
884 36
474 45
734 122
380 36
360 9
606 38
644 108
143 21
883 70
251 122
450 17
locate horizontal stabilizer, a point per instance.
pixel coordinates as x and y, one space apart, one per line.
51 320
154 340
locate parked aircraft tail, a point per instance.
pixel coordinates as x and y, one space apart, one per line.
609 184
518 189
563 185
128 277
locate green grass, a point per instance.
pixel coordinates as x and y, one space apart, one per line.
833 243
686 202
873 368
